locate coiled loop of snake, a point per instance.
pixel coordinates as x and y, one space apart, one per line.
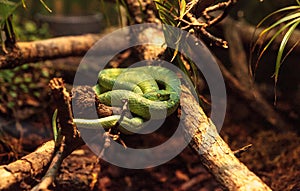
140 86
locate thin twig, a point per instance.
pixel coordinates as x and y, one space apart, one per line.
238 153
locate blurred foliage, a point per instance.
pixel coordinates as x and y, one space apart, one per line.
29 30
25 29
22 87
69 7
6 9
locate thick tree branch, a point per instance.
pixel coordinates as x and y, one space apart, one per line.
59 47
27 167
213 151
47 49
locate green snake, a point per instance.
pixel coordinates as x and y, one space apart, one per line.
152 92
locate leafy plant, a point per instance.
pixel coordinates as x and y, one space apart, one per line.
171 12
288 22
6 9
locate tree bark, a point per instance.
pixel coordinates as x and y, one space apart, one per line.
25 168
47 49
59 47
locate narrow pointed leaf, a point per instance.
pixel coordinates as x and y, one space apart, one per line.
277 34
182 9
278 11
281 48
280 21
46 6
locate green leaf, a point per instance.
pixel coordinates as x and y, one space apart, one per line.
11 104
32 85
24 88
30 26
167 19
288 22
282 46
167 11
13 94
25 66
24 4
277 34
45 5
127 10
280 21
37 94
276 12
7 73
13 87
45 73
6 9
54 125
27 79
182 9
18 80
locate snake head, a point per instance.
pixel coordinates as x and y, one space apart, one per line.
160 95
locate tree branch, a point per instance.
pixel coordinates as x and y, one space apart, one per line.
27 167
47 49
213 151
59 47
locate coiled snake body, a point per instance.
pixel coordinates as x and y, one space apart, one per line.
151 92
